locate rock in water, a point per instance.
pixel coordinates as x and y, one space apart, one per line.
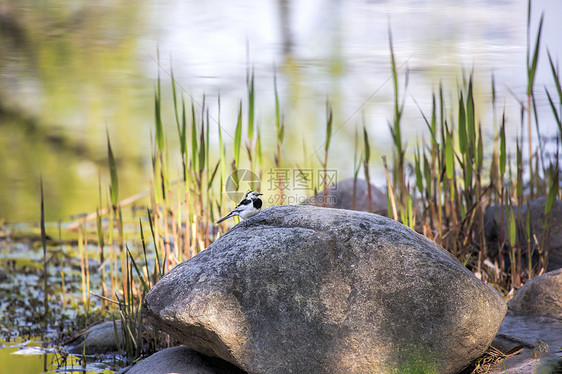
540 296
98 339
301 289
180 360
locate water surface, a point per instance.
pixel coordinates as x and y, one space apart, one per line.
71 72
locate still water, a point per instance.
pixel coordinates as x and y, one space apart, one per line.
29 357
72 71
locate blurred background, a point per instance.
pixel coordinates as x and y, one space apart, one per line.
72 71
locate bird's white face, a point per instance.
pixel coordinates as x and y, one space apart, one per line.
252 195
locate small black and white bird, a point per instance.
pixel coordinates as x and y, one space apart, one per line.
248 207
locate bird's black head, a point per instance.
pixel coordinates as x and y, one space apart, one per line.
253 195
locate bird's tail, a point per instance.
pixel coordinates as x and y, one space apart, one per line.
225 217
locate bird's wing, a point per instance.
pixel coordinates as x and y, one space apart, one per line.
243 205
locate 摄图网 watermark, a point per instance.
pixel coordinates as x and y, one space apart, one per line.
285 185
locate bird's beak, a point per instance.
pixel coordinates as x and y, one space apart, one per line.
259 194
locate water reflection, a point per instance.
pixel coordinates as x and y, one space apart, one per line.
70 70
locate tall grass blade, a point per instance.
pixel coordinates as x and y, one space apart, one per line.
99 228
158 117
470 119
519 187
222 150
367 158
449 156
114 187
156 251
279 126
367 147
462 126
417 168
556 78
213 174
238 138
45 262
502 148
251 102
139 273
554 111
397 135
532 64
329 123
553 188
258 149
202 148
194 143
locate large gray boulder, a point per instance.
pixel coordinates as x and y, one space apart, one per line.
303 289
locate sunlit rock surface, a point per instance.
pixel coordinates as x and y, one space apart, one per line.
314 290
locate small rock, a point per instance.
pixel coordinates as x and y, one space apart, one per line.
340 196
540 296
521 363
536 337
492 229
98 339
180 360
303 289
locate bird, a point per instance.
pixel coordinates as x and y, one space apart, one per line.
248 207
